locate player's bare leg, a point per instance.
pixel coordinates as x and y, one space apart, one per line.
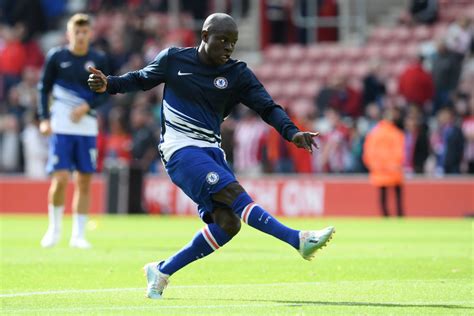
305 242
56 198
80 208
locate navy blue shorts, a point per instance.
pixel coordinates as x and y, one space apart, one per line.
72 152
200 172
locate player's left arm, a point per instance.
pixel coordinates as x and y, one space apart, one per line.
254 95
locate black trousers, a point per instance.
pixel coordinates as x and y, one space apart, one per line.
398 198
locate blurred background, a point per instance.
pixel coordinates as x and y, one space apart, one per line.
336 66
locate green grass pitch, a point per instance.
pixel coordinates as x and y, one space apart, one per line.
372 266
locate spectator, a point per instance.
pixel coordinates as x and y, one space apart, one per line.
10 147
447 143
468 130
249 138
339 95
417 144
14 107
144 153
416 85
335 148
35 147
424 11
13 56
374 86
383 156
277 153
227 133
372 117
29 13
458 41
445 76
302 114
28 92
118 143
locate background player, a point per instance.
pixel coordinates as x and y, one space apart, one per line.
202 86
72 125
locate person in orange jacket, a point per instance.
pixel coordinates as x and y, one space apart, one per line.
383 156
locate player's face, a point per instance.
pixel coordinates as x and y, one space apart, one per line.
79 36
220 46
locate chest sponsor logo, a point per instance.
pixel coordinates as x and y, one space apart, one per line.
220 82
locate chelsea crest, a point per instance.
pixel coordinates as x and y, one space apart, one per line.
220 82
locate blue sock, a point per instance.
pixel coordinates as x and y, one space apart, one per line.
258 218
206 241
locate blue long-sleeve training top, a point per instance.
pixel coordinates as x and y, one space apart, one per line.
64 77
197 97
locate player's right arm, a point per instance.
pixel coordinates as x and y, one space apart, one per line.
144 79
45 86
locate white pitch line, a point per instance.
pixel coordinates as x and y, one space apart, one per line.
137 308
194 307
218 286
82 291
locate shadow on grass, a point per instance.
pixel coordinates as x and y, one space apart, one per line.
362 304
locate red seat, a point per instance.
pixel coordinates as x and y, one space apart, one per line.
352 53
322 71
265 72
342 68
333 53
391 52
284 71
295 53
302 107
372 51
380 35
359 70
400 34
275 53
304 70
310 88
291 88
421 33
314 52
274 88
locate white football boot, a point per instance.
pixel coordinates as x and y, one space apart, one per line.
80 243
313 240
156 281
50 238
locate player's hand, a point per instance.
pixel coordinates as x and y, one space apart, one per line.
305 140
97 80
79 111
45 127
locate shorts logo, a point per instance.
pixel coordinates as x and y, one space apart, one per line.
212 177
220 82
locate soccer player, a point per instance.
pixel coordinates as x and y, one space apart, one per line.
72 125
202 85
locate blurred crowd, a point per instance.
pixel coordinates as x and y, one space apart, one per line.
434 107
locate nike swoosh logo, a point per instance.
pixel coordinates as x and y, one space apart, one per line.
184 73
65 64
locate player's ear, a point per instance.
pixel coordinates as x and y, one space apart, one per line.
204 36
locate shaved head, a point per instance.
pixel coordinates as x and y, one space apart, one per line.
218 22
219 35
